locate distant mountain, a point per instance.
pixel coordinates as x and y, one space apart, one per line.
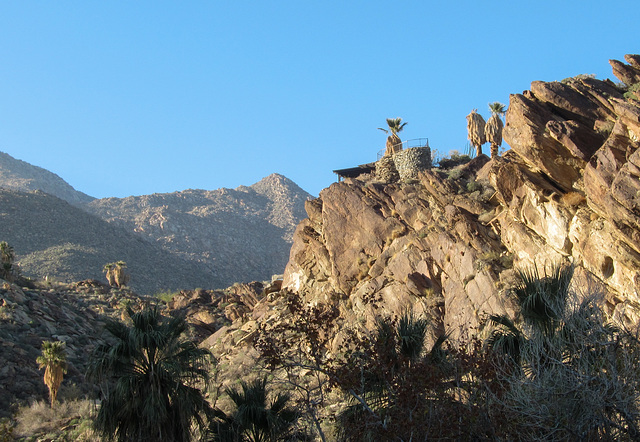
215 237
241 234
22 176
53 238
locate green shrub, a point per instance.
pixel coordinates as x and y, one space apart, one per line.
633 92
454 160
497 260
166 296
577 77
473 186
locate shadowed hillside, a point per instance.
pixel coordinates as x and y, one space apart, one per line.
53 238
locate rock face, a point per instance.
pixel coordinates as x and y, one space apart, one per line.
568 191
239 235
19 175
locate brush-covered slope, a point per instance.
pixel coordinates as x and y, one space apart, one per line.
53 238
241 234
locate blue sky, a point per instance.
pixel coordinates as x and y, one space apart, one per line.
127 98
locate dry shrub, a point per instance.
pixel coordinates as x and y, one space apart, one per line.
572 199
577 382
70 417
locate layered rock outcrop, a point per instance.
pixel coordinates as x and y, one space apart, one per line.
568 191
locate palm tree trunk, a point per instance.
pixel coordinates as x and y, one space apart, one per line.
494 150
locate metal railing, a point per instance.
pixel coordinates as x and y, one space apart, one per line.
415 142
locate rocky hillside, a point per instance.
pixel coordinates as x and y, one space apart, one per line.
241 234
19 175
76 314
53 238
446 243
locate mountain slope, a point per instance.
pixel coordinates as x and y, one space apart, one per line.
52 237
240 235
22 176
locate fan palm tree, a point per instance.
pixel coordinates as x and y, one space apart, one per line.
120 274
108 269
54 362
255 419
475 130
116 274
152 377
7 257
394 144
542 300
493 128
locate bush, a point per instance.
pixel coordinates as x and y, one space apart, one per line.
454 160
633 92
69 420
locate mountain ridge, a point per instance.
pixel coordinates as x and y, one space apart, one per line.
229 235
19 175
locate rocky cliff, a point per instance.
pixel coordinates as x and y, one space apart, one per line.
448 243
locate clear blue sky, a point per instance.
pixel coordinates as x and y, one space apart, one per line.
127 98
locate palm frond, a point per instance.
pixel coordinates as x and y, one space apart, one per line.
153 378
497 108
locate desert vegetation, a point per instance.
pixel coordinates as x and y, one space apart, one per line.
153 380
394 143
493 128
557 369
7 258
116 274
54 362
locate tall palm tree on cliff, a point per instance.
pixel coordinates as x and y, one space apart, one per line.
394 144
54 362
475 130
493 128
153 378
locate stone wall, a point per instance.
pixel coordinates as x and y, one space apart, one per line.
410 161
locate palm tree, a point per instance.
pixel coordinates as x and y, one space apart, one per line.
542 300
116 274
152 378
255 418
54 362
411 332
7 257
394 144
398 355
120 274
108 269
493 128
475 130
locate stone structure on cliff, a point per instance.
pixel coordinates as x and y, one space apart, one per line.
448 244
